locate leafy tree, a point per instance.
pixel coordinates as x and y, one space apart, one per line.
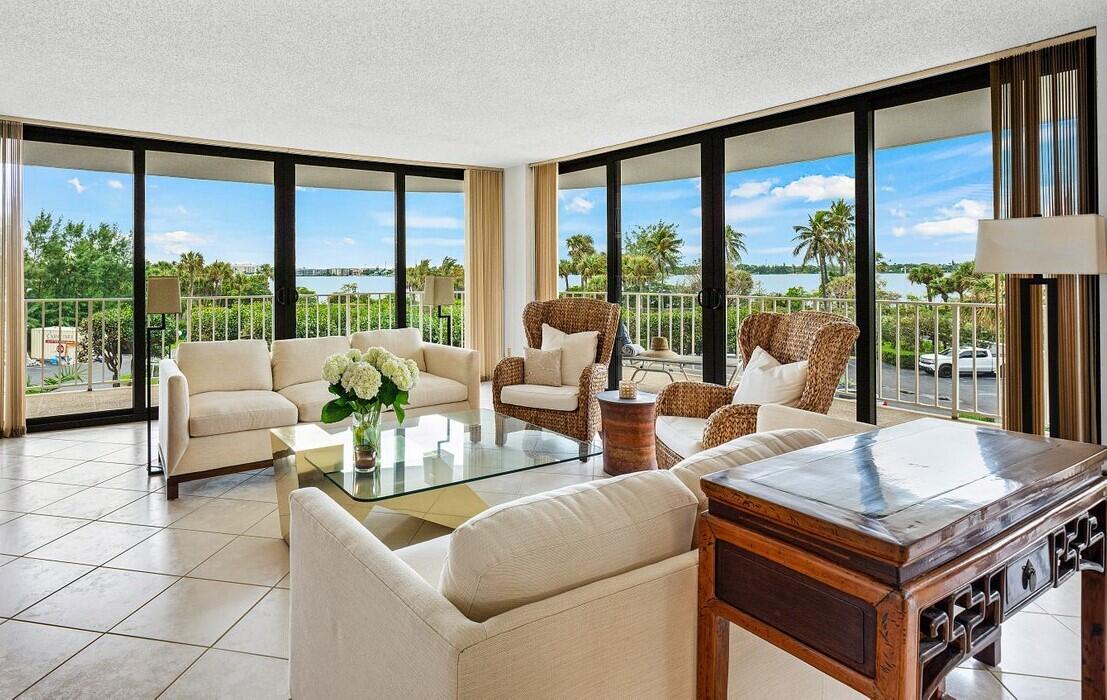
638 270
739 282
191 268
815 241
963 278
564 270
660 243
594 264
927 275
70 259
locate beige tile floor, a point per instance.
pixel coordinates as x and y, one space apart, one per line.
109 591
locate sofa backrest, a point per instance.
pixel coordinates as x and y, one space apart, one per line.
225 365
401 342
300 360
538 546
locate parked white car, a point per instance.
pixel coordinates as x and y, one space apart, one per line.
942 364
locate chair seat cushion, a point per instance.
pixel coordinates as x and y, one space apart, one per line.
550 398
681 434
538 546
432 390
308 398
741 451
219 412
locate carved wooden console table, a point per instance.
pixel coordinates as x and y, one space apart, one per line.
886 559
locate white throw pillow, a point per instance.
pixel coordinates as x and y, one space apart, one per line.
740 451
578 350
764 380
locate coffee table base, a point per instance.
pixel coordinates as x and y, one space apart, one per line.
449 506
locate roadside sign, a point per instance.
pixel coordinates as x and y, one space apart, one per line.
60 349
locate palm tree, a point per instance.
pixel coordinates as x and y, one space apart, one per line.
564 269
580 246
734 245
266 271
594 264
816 242
417 275
450 267
638 270
841 223
659 242
192 264
217 273
928 275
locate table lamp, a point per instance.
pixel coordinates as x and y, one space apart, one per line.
439 291
1041 245
163 296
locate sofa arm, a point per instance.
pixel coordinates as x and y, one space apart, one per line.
173 414
459 364
776 417
730 422
353 601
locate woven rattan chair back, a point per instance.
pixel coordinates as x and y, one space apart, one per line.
574 315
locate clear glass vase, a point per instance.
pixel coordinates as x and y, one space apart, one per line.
367 439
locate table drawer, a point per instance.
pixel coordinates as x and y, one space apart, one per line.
1027 574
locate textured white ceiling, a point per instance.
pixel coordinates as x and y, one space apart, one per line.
488 83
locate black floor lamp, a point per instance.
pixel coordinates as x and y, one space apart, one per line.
163 296
439 292
1039 246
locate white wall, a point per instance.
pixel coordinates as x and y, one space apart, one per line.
518 254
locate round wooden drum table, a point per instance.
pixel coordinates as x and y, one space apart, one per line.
628 442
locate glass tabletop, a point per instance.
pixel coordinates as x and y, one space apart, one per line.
438 450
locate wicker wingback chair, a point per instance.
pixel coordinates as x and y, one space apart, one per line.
569 315
824 340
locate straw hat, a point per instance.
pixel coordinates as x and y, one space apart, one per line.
658 344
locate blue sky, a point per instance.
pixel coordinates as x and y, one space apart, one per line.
233 221
929 197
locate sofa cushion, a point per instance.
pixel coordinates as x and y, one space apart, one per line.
578 350
550 398
740 451
219 412
308 398
681 434
300 360
432 390
428 558
225 365
542 367
764 380
539 546
401 342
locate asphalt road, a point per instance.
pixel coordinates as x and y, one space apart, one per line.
909 393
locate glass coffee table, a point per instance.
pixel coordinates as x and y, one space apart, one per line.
425 466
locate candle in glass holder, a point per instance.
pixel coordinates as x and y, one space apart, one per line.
628 389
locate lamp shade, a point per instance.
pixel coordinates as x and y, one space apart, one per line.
163 295
1044 245
438 291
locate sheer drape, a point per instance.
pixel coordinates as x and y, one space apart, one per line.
13 420
1043 165
545 231
484 268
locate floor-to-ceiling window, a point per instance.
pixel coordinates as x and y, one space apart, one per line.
434 221
582 233
940 348
78 278
345 250
789 240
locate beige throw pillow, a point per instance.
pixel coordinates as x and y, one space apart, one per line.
578 350
542 367
764 380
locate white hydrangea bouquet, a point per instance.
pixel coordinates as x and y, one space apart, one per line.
363 384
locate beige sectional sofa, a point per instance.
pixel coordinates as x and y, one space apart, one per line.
218 400
583 592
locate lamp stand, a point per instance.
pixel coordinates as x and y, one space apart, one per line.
1027 352
150 468
449 325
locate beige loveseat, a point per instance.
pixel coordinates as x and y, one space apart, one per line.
583 592
218 400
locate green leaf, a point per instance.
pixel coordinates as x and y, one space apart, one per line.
335 411
399 413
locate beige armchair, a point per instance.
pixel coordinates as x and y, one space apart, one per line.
570 410
693 416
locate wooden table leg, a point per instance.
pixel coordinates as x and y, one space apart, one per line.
713 634
1093 619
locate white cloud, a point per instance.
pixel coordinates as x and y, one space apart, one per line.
580 204
816 188
899 231
752 188
898 212
114 184
887 188
960 219
697 212
177 242
76 184
349 241
750 209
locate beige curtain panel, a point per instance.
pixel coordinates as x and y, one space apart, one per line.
1042 158
545 231
13 419
484 266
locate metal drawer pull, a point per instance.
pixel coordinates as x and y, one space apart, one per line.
1029 575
